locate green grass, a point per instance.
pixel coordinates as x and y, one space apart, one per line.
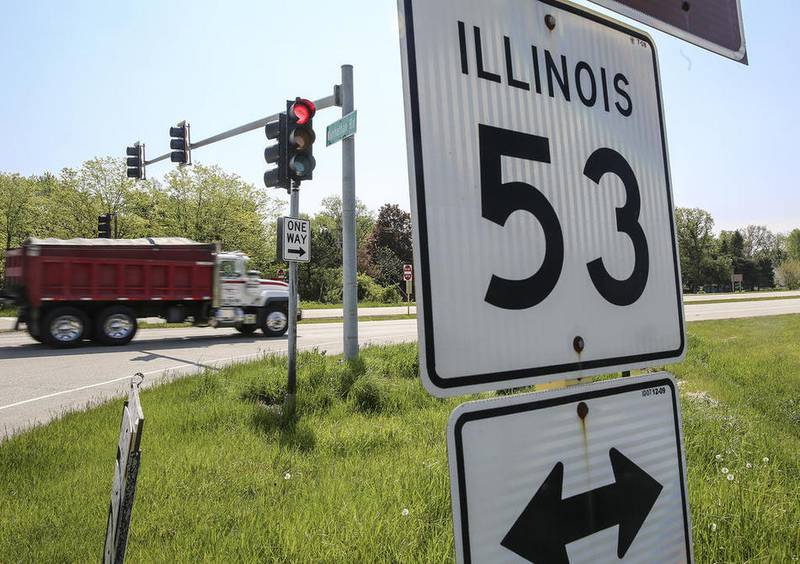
7 311
307 321
221 480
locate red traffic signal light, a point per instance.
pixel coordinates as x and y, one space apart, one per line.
301 111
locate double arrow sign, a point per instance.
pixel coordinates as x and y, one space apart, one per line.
548 523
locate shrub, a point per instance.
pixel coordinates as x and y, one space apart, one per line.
789 274
390 295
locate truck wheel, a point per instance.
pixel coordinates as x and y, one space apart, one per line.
63 327
275 321
246 329
34 336
116 325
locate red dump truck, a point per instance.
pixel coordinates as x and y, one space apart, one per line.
68 290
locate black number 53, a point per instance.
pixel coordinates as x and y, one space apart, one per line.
499 200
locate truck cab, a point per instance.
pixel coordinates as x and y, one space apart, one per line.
243 295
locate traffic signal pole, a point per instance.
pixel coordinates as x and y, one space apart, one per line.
349 259
291 386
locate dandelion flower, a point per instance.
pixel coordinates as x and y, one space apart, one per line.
724 470
730 477
748 465
713 526
765 459
404 512
287 476
718 457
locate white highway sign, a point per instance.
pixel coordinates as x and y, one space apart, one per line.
294 239
540 192
592 473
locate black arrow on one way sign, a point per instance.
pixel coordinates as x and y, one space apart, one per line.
541 533
299 252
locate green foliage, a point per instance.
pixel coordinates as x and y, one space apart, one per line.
789 274
198 202
793 244
333 484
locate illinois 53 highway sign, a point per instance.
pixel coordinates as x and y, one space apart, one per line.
593 473
540 192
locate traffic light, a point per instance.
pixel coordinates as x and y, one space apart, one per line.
180 144
293 153
135 161
300 161
104 226
276 154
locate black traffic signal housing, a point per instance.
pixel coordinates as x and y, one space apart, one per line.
293 154
180 144
300 139
277 177
135 161
104 226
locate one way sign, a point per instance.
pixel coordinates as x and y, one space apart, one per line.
593 473
294 239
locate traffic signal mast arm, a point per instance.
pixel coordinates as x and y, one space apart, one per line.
321 104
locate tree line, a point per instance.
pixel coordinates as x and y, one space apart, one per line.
709 262
205 203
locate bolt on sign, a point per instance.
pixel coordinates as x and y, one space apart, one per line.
592 473
540 194
715 25
126 471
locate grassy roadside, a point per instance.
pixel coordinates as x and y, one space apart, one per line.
221 481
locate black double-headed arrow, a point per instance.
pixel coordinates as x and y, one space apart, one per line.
299 252
541 533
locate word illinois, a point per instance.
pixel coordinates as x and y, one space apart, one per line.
552 74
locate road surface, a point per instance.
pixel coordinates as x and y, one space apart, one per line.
38 384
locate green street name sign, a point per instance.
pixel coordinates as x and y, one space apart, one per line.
340 129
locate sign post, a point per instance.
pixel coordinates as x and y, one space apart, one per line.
349 257
126 471
408 276
294 245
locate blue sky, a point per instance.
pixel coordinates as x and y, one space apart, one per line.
86 78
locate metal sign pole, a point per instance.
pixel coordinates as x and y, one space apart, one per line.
350 289
291 388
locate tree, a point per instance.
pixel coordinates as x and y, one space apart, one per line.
392 230
793 244
698 248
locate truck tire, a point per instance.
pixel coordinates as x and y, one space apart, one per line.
63 327
115 325
246 329
275 321
35 336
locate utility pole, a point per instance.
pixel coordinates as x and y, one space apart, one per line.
349 259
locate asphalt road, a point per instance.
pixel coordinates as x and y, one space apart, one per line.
38 384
